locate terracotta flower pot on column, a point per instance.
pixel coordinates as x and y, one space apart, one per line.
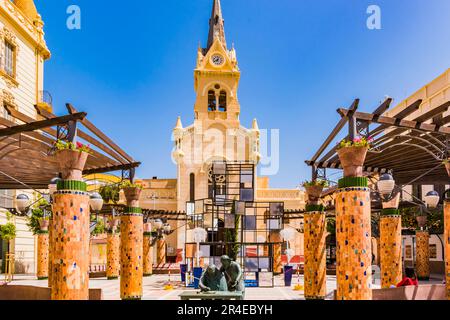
71 163
352 160
43 224
314 192
422 221
132 196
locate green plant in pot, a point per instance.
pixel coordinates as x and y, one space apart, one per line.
71 158
314 189
352 154
132 192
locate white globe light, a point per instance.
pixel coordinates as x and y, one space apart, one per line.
432 199
22 202
96 202
200 235
386 184
158 224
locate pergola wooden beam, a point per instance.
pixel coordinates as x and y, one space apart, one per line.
42 124
399 123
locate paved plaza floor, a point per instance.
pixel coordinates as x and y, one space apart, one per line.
154 288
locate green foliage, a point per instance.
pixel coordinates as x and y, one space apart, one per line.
128 184
8 231
331 225
232 236
357 142
318 182
37 214
100 228
110 193
435 222
62 145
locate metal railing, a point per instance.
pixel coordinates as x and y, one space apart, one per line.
45 97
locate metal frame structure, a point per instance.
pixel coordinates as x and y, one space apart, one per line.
231 207
27 146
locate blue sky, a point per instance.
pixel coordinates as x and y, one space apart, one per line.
131 66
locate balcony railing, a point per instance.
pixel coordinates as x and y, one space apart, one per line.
45 98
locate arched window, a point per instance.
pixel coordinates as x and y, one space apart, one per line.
212 103
192 187
223 101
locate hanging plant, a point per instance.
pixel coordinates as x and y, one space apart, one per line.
37 214
110 193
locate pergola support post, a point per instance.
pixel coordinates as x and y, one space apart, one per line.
70 234
148 254
42 255
423 254
131 262
391 247
161 251
113 255
315 269
447 244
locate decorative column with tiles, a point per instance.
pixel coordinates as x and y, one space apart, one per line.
275 239
113 251
315 269
42 251
70 234
50 251
148 250
447 244
391 243
353 228
422 249
131 250
161 251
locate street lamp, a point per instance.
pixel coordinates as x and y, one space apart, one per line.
167 228
432 199
22 203
386 184
158 224
95 201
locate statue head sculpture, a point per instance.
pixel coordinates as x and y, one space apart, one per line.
211 270
226 261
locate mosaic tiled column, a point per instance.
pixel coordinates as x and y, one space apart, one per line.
391 248
275 239
148 250
353 238
161 251
42 255
50 251
113 255
423 254
131 250
70 236
315 271
447 244
70 230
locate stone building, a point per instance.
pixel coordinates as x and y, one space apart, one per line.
23 52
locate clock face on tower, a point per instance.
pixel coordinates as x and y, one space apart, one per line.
217 60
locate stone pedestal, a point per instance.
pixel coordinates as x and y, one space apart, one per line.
423 255
354 245
161 251
113 256
42 255
131 249
391 248
447 244
148 255
315 271
70 242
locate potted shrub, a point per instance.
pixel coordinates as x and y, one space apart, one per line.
44 223
352 154
71 158
314 189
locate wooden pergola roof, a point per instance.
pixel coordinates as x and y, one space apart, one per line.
412 150
26 147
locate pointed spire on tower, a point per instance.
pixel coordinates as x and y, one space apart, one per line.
216 26
255 126
179 125
28 8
